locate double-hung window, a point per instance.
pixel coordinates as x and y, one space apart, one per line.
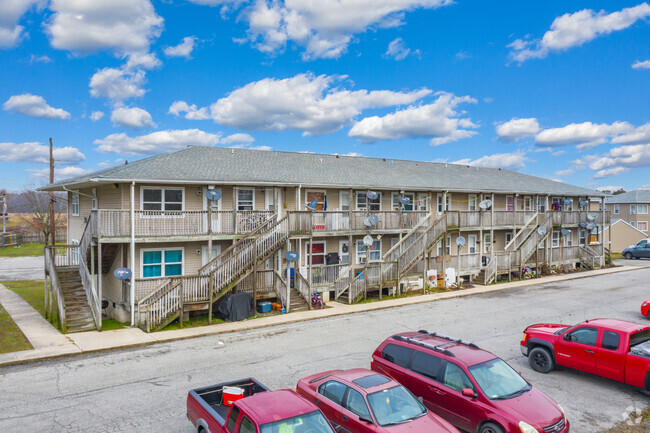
471 202
642 225
568 239
617 209
510 203
374 253
471 244
162 199
167 262
245 199
316 252
541 204
555 239
74 203
632 209
582 237
397 204
93 203
642 209
364 203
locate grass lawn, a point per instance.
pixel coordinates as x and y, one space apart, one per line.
25 250
11 339
195 321
33 292
616 256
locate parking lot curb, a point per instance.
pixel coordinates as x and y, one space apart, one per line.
89 342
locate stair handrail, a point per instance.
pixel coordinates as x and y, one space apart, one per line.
490 271
55 286
279 281
513 241
171 301
408 258
86 280
528 247
302 285
408 236
243 241
354 284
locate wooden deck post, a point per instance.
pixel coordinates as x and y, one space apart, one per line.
210 297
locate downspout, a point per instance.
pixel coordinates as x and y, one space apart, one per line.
132 291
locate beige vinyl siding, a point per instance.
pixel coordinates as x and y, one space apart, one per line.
622 236
109 197
111 286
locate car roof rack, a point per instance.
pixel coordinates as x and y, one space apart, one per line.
422 344
451 339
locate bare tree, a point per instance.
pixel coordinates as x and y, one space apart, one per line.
38 219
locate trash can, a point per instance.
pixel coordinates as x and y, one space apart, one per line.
332 259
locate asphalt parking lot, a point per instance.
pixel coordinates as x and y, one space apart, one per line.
144 389
21 268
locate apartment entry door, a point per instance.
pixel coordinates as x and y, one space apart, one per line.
216 216
216 250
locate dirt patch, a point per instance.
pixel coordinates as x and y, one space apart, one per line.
638 421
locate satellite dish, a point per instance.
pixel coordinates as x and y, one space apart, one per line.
312 205
591 216
485 204
583 224
591 226
541 230
460 241
564 232
583 203
367 240
122 273
291 256
371 221
567 201
405 200
372 195
213 194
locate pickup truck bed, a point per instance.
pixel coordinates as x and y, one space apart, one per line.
211 397
642 350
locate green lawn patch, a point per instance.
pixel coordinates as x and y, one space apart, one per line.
195 321
25 250
11 339
33 292
110 324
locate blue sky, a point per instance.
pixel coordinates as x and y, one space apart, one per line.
550 88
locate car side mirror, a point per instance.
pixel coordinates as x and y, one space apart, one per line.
365 419
566 337
469 392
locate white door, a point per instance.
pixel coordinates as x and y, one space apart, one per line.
216 216
344 252
487 243
216 250
471 244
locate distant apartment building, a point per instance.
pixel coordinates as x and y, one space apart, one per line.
631 207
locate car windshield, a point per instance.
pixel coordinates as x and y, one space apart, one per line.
313 422
498 380
395 405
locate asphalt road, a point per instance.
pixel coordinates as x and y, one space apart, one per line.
21 268
144 389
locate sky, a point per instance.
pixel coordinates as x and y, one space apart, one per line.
550 88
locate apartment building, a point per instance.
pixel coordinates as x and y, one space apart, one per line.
185 251
631 207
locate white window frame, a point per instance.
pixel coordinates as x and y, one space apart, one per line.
472 204
568 239
617 209
582 237
528 203
439 205
541 204
74 252
344 200
342 254
557 200
439 248
237 201
508 237
162 263
93 200
162 198
555 239
448 245
632 209
395 203
309 256
471 244
642 225
74 203
512 203
487 245
364 205
567 207
642 209
269 200
361 254
423 202
633 224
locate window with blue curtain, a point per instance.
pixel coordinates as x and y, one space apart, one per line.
162 263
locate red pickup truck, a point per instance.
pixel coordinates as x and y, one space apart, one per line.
614 349
259 411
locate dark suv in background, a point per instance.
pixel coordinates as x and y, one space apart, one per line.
471 388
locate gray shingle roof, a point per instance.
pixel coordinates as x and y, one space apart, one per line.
244 166
636 196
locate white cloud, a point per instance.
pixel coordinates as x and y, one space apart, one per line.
508 161
39 59
516 129
609 188
324 28
610 172
438 121
96 115
584 135
565 172
131 118
238 138
142 61
637 136
305 102
117 84
193 113
10 12
156 142
617 160
39 153
60 173
397 50
123 26
34 106
571 30
641 65
184 49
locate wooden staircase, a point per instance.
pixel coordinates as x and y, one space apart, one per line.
297 302
79 317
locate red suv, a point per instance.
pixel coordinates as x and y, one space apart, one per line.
469 387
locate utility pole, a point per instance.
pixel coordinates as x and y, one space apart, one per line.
52 223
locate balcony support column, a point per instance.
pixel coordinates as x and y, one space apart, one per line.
132 253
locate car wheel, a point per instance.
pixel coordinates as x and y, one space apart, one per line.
490 427
540 360
628 256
